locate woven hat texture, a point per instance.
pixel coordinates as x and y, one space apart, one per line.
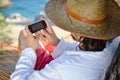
98 19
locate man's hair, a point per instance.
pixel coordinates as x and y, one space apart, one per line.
89 44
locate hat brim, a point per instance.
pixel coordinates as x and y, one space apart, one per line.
106 31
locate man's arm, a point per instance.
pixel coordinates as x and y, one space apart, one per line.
62 47
25 65
24 69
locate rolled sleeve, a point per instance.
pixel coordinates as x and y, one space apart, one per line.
25 65
62 47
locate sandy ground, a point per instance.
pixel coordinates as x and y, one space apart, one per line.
17 28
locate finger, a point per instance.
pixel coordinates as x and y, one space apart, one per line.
27 31
24 33
45 33
43 37
49 28
37 34
22 39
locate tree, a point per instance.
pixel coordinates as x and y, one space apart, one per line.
4 30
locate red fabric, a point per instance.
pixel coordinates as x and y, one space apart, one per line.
42 59
50 48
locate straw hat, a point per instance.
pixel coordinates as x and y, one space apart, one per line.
98 19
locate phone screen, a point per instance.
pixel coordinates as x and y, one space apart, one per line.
37 26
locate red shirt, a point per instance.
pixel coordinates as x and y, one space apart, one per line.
43 58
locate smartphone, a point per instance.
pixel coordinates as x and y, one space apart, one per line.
37 26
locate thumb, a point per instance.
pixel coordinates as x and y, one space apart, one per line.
27 31
24 33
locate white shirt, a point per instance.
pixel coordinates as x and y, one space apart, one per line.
68 64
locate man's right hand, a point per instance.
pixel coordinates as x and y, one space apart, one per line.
50 34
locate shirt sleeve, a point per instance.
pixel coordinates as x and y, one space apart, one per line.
25 65
24 69
63 46
113 46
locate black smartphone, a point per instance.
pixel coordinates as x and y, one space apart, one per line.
37 26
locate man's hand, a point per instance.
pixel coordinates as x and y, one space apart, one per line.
49 34
31 41
26 39
42 38
22 40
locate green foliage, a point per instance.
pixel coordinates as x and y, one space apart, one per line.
1 17
118 1
4 31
